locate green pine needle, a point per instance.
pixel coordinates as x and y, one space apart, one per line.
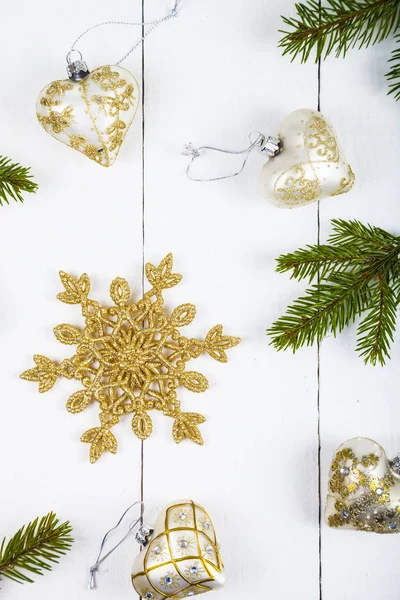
393 75
357 272
375 332
14 180
34 548
339 25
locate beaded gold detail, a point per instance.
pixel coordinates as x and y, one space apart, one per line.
297 187
320 137
131 358
181 575
363 492
346 183
92 115
311 166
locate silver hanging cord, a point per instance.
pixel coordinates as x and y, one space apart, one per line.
141 537
266 145
150 24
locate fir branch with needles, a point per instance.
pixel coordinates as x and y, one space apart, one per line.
393 75
34 548
337 26
14 181
357 273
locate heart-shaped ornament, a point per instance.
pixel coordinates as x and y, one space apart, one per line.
311 166
364 488
92 115
182 558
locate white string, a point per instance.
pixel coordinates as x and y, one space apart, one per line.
151 24
100 559
189 150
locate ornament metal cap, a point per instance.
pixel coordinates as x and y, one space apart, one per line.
143 535
270 146
77 70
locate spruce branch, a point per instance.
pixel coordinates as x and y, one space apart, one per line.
366 237
314 261
376 332
358 272
336 26
34 548
14 180
393 75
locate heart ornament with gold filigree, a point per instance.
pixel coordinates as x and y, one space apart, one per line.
311 164
90 112
182 559
364 488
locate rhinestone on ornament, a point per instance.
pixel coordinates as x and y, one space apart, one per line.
393 526
345 471
193 570
183 544
157 550
209 549
206 525
379 491
149 596
395 465
345 514
183 516
168 580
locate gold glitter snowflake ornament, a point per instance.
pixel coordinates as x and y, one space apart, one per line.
131 358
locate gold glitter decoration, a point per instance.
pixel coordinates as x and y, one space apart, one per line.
362 499
131 358
303 181
92 115
299 188
180 575
322 139
346 183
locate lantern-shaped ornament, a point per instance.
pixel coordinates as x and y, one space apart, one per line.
182 558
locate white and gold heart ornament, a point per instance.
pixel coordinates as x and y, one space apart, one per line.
180 555
90 112
311 166
182 558
364 488
305 162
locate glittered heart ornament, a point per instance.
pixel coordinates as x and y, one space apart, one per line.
364 488
182 558
91 115
311 165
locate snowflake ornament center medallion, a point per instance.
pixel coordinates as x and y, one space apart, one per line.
131 358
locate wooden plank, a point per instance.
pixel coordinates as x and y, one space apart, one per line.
84 218
211 77
358 400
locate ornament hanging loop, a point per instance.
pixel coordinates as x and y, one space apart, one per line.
77 69
142 537
267 146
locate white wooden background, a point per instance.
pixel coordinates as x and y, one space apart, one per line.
209 76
